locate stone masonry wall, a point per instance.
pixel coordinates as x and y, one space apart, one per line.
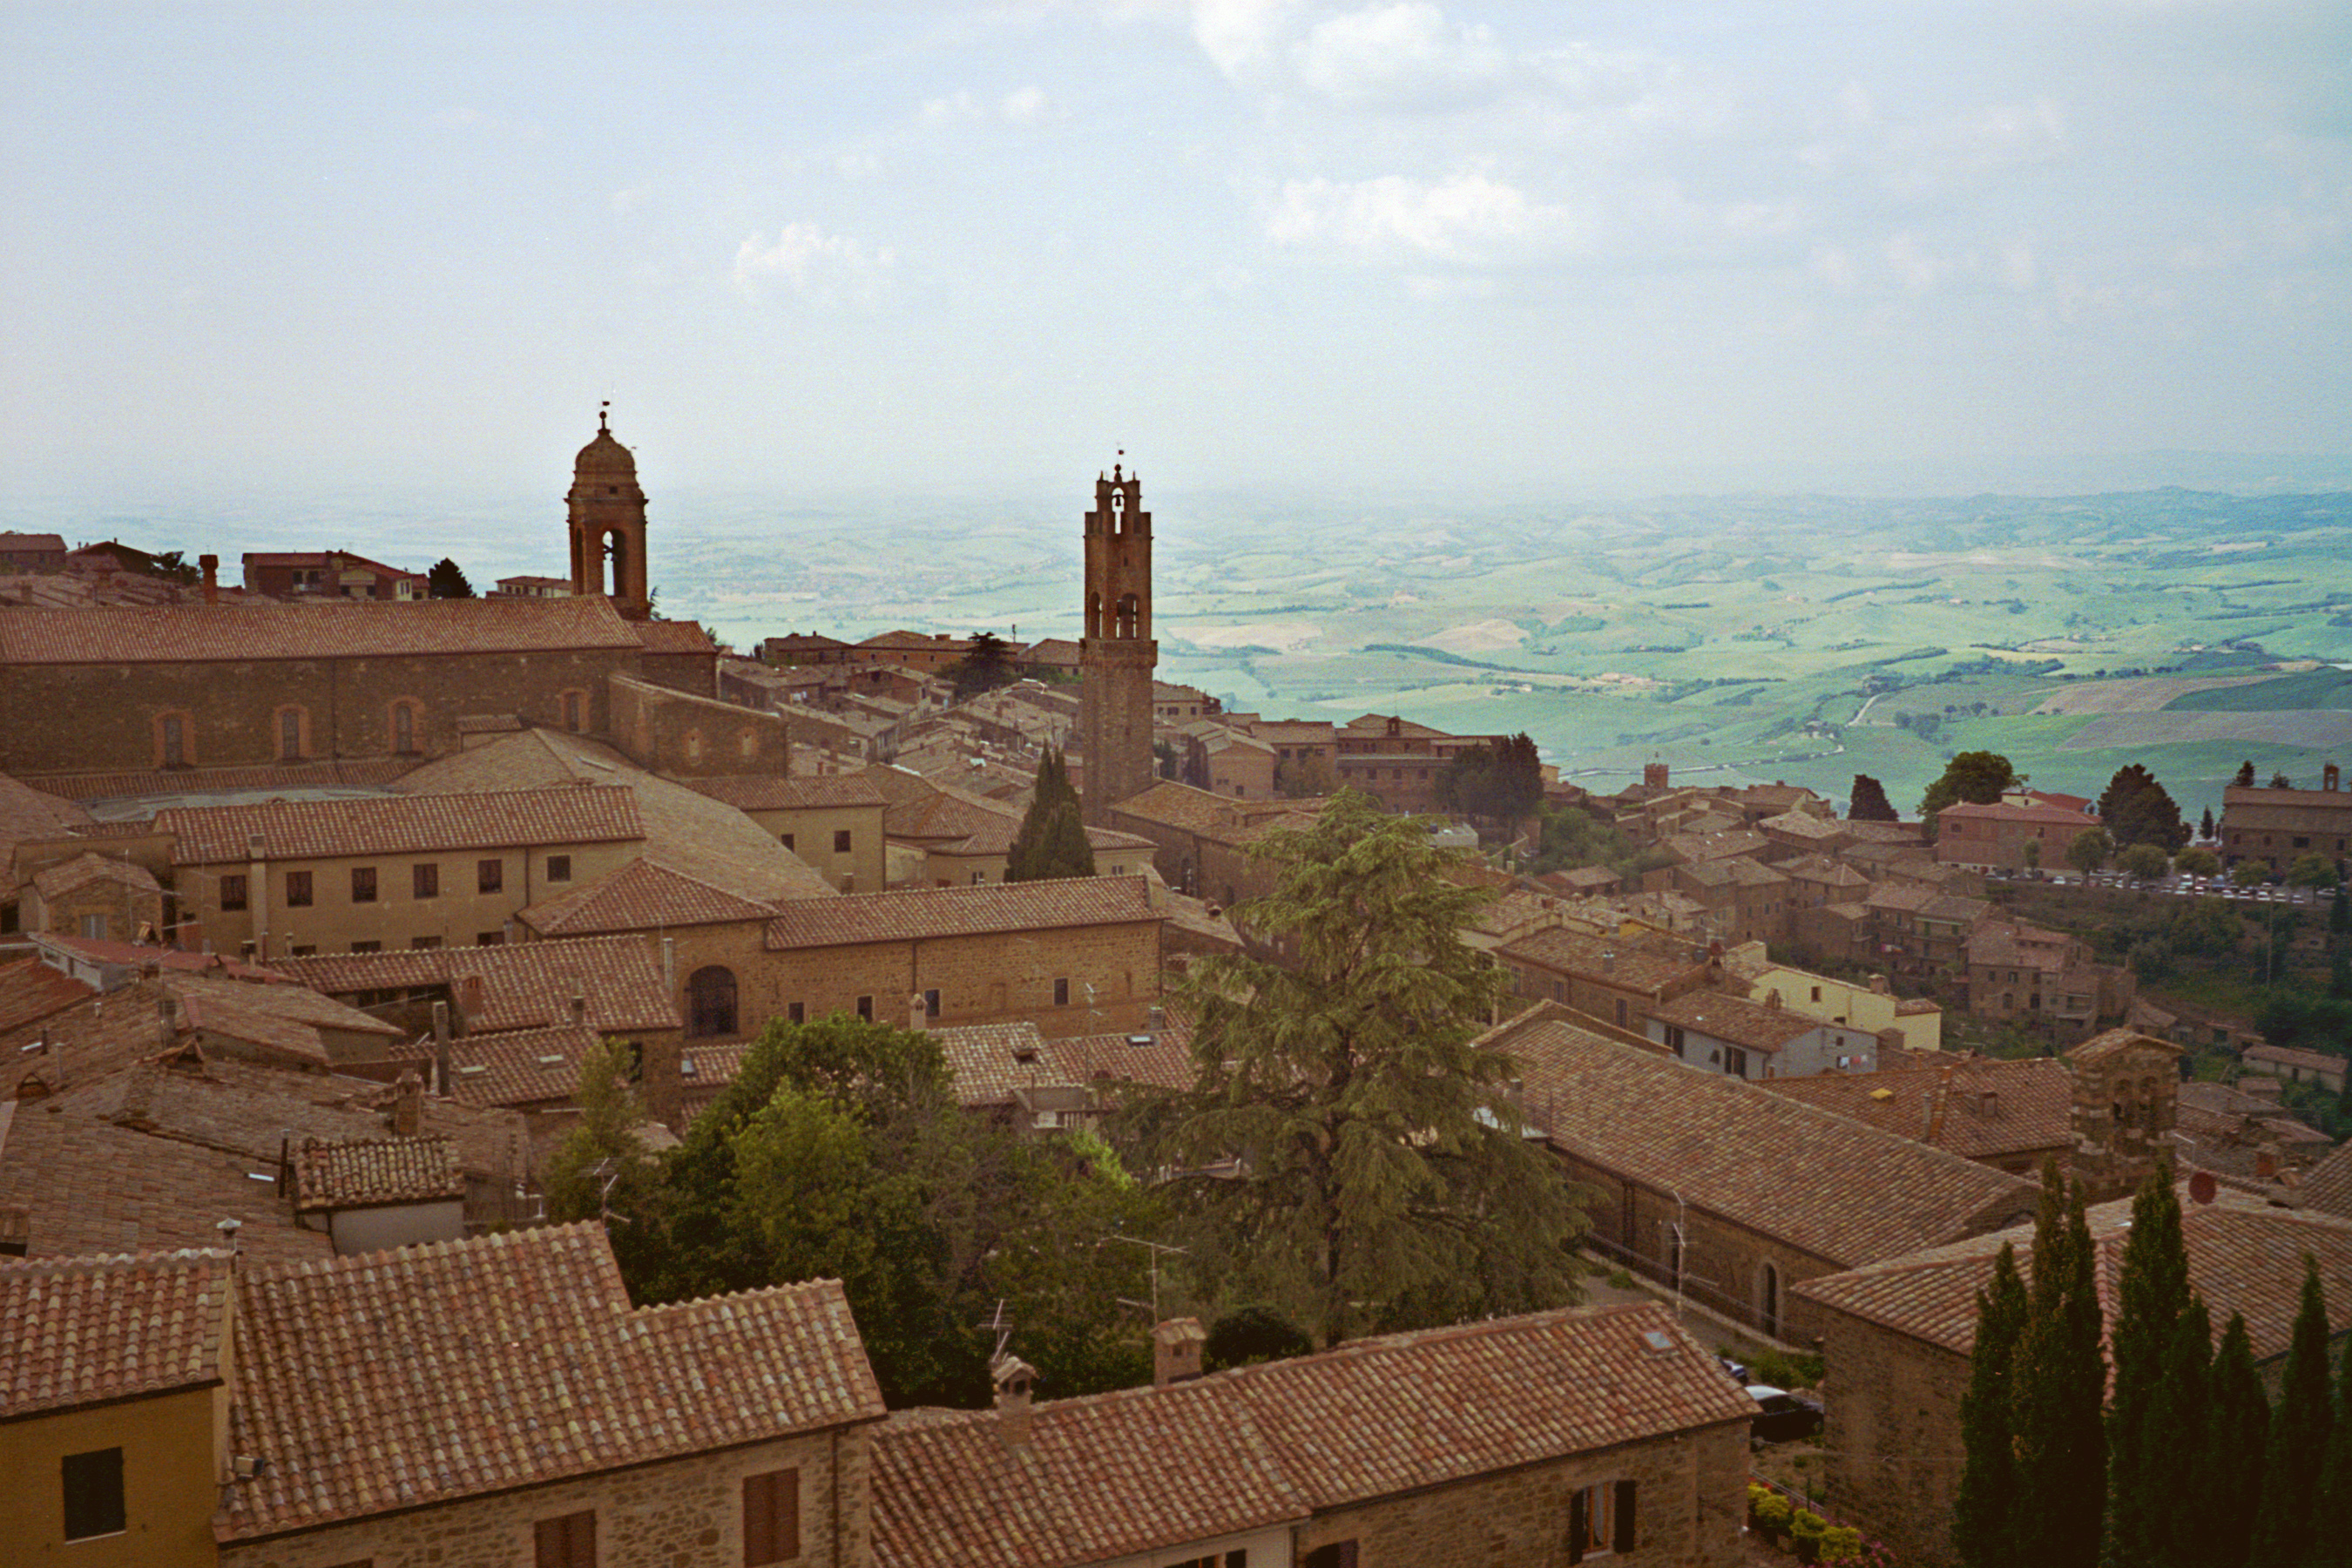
1690 1500
681 736
1893 1435
686 1513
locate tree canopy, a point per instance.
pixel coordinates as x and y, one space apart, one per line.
2088 850
1976 778
986 664
1501 781
1052 838
1384 1181
1869 802
2136 809
444 579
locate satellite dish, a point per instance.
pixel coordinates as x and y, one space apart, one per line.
2202 1187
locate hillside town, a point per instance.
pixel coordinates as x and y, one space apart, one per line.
503 1078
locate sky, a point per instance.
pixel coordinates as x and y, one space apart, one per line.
1467 249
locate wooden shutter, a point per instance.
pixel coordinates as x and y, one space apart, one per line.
1576 1526
569 1541
772 1517
1624 1540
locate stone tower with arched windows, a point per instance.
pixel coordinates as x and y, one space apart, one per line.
1117 656
608 519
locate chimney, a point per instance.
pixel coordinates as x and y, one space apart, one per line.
1608 963
1772 999
441 1048
211 564
1176 1350
473 1000
1988 1102
579 1008
407 1104
2328 777
669 965
919 1015
1878 985
1014 1377
2266 1164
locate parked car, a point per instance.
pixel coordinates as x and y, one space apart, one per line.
1785 1418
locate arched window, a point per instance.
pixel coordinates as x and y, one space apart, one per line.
710 1003
1129 613
747 744
175 744
694 745
406 713
292 727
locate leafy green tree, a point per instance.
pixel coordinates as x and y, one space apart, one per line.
2197 862
986 664
1500 782
1305 776
2230 1463
2032 854
1386 1183
1985 1525
2089 849
2339 913
2145 862
2249 873
1572 837
2061 1390
2280 781
2311 870
2298 1437
1251 1334
2179 1414
1868 802
601 1164
1052 838
444 579
2136 809
2151 1296
1976 778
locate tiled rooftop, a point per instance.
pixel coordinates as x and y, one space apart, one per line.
673 636
1979 1108
520 1363
325 629
525 1067
366 1173
930 912
401 824
31 990
1737 1019
1619 961
1773 1165
525 986
82 1330
990 1061
1147 1471
56 881
643 895
766 792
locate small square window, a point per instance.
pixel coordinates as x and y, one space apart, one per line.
559 867
787 839
490 876
424 941
490 939
1061 992
298 889
841 841
866 1008
425 881
567 1542
367 947
363 884
930 1004
797 1013
93 1494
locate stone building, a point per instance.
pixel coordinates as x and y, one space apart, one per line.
1489 1442
2127 1097
329 574
2277 825
1621 980
97 896
2010 1115
1117 652
1729 1034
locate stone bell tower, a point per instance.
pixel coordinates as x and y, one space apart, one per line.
1117 654
608 518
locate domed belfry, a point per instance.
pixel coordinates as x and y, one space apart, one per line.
608 519
1117 654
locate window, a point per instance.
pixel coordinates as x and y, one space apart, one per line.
363 884
424 941
298 889
94 927
490 876
1061 992
797 1013
1601 1518
930 1004
772 1517
1621 1011
710 1002
1735 1062
232 892
490 939
93 1483
171 740
786 839
571 710
559 867
305 951
841 841
425 881
289 735
367 947
866 1008
569 1541
404 728
1338 1554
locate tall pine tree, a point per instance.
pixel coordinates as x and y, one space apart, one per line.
1052 838
2181 1408
2331 1509
1984 1515
2298 1435
2230 1465
2060 1392
2150 1299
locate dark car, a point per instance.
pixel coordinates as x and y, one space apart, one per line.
1786 1417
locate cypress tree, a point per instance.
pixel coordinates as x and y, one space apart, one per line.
2220 1513
2150 1299
2061 1393
1984 1514
2298 1435
2331 1510
2179 1409
1042 847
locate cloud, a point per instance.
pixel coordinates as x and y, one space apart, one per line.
956 107
824 269
1243 38
1469 219
1402 56
1025 106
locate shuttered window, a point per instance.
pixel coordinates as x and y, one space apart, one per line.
772 1517
569 1541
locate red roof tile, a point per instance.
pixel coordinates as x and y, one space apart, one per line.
402 823
87 1329
369 1173
641 896
328 628
960 912
673 636
525 986
765 792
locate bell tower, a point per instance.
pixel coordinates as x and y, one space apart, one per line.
608 519
1117 656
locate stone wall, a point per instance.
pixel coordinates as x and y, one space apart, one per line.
999 977
1893 1437
1690 1500
681 736
683 1513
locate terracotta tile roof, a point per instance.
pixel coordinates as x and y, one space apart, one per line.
2290 1056
56 881
1737 1019
28 812
643 895
161 786
94 1037
86 1329
138 958
401 824
520 1363
525 986
2114 1042
1737 842
1615 961
1772 1165
1196 811
31 991
287 1018
673 636
765 792
992 1061
2055 815
328 628
2244 1257
525 1067
369 1173
1150 1470
960 912
90 1187
2327 1186
2030 1108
